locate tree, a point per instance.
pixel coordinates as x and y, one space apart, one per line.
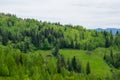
79 67
4 71
88 70
59 65
117 40
74 63
111 39
117 32
27 44
107 42
63 64
46 45
56 51
105 57
69 66
111 54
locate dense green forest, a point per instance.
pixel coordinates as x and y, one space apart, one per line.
36 50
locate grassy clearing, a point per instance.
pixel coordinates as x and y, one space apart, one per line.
98 66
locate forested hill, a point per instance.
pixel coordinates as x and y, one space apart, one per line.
36 50
31 34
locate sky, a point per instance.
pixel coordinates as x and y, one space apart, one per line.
88 13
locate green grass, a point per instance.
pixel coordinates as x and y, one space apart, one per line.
98 66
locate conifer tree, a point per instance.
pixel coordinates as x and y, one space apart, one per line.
88 70
74 63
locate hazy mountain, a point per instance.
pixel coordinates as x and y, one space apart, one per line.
114 30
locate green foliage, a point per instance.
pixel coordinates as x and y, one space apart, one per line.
113 59
4 71
46 55
30 34
56 51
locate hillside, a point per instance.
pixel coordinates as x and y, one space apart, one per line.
36 50
44 35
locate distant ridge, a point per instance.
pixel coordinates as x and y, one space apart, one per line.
114 30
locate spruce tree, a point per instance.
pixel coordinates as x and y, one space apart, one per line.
58 65
88 70
69 66
56 51
74 63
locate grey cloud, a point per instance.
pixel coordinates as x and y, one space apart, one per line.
89 13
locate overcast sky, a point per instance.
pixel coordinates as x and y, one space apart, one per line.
88 13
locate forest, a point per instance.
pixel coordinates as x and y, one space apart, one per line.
37 50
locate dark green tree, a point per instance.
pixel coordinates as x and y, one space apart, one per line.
63 63
56 51
88 70
74 63
69 65
79 67
59 65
